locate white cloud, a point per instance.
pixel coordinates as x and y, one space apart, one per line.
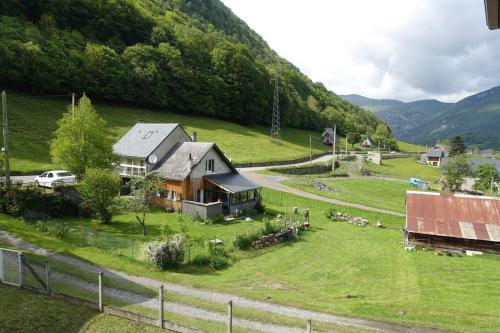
407 50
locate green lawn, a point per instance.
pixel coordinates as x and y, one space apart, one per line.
356 271
404 168
32 121
25 311
387 194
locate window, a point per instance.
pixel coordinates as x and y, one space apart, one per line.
44 174
148 135
63 174
210 165
50 175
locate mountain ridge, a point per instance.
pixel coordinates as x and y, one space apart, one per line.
476 117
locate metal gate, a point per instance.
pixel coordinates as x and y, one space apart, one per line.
11 267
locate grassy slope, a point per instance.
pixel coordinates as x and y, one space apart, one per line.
378 193
404 168
32 121
48 314
355 271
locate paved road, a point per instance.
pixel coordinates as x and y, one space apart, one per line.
270 182
220 297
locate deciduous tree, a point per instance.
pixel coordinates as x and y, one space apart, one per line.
487 175
455 171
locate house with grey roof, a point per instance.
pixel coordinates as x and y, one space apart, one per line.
327 137
199 178
434 156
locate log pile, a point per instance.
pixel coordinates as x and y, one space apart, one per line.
287 234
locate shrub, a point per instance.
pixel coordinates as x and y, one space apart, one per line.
270 227
52 228
201 260
165 230
260 207
197 218
218 263
215 220
244 241
166 253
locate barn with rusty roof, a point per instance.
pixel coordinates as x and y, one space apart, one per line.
453 221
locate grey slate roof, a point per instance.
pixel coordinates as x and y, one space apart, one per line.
476 163
233 182
435 153
135 143
327 131
175 164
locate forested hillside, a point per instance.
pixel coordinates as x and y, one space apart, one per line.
476 118
191 57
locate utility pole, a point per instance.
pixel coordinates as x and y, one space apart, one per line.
334 146
5 137
346 136
310 150
73 105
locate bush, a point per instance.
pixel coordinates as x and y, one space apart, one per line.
218 263
244 241
52 228
260 207
165 230
166 253
270 227
215 220
201 260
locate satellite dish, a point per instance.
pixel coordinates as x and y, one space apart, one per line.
152 159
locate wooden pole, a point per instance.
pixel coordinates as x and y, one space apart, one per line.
160 306
73 104
346 137
309 325
310 150
101 293
5 137
47 276
334 146
230 317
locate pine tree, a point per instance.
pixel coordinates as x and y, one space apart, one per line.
457 146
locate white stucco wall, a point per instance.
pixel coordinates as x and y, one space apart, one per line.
220 166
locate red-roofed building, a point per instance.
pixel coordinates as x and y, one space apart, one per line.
453 221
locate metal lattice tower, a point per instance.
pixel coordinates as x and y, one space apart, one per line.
275 123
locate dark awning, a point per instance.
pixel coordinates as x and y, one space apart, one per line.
233 183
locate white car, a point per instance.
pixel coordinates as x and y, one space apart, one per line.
50 178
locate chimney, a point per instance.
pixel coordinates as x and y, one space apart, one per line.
190 161
194 137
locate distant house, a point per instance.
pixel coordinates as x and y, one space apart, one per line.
457 221
327 137
367 142
434 156
199 179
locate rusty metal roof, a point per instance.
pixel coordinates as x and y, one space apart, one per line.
459 216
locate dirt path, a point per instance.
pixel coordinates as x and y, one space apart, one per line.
268 181
212 296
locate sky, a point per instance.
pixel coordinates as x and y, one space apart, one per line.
397 49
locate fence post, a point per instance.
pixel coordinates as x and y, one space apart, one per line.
230 317
1 265
133 249
101 294
160 306
309 325
21 269
47 276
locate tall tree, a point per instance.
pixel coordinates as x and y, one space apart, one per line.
455 171
81 140
100 188
457 145
488 176
383 134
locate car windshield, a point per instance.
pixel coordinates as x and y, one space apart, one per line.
63 174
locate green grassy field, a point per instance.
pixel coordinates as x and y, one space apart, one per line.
404 168
25 311
356 271
387 194
32 121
